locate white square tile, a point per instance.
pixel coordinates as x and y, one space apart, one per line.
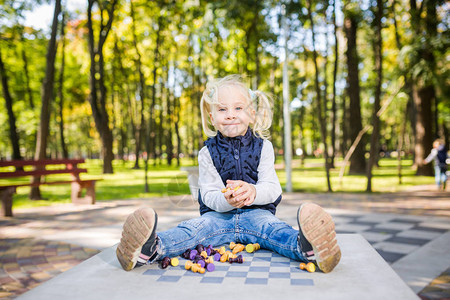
280 269
419 234
258 275
395 225
375 236
352 227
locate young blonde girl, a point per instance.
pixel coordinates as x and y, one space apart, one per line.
239 191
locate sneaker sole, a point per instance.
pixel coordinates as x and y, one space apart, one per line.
318 228
137 229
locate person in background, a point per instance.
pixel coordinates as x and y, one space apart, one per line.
439 155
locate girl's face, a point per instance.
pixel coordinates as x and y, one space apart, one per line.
234 113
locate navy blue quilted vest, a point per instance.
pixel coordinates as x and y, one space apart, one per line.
237 159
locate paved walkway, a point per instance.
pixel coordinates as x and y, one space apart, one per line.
410 230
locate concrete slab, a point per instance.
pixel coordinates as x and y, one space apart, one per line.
361 274
423 265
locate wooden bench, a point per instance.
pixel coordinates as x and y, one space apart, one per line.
37 168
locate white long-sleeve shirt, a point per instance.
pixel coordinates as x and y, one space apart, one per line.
268 187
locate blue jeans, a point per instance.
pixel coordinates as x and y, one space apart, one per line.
439 175
239 225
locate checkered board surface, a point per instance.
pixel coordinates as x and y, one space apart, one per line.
259 268
392 236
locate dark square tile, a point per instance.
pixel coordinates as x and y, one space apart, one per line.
168 278
236 274
405 240
276 255
302 282
221 268
259 269
280 263
262 281
390 257
279 275
363 223
154 272
383 230
430 229
405 221
262 258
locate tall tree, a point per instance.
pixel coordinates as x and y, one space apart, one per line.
320 112
124 91
335 72
26 72
141 126
423 68
47 97
13 135
378 46
65 153
150 141
351 20
97 96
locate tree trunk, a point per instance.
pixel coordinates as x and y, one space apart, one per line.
97 97
320 116
29 92
177 130
65 154
160 124
423 90
424 139
152 122
410 107
374 141
47 96
333 104
357 161
13 135
169 117
344 123
150 137
129 110
141 127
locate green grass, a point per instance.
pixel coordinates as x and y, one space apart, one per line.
311 177
128 183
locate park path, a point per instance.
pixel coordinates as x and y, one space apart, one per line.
40 243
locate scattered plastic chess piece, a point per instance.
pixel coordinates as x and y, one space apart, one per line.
238 260
252 247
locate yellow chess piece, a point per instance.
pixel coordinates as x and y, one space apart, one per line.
311 267
238 248
252 247
174 262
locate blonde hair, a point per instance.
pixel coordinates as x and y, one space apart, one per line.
258 100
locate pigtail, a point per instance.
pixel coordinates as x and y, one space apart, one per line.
209 98
263 117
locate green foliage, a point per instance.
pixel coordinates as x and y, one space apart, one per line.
184 43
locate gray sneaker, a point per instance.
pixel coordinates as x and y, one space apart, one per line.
317 227
138 229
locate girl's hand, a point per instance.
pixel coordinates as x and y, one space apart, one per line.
232 200
244 196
